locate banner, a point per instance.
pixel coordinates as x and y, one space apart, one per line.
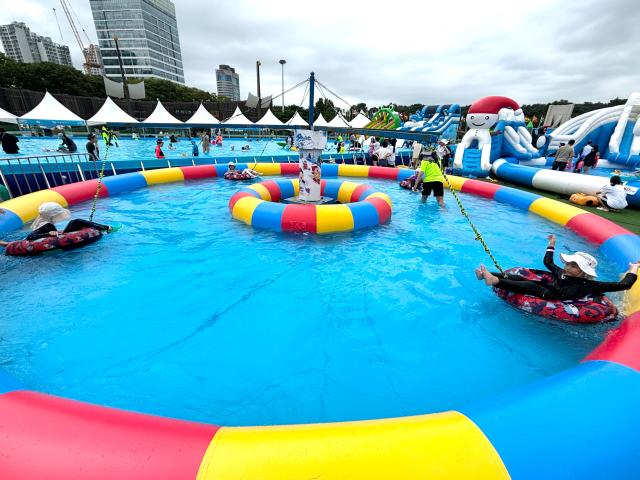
310 143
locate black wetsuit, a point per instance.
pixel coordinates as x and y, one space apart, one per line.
70 144
72 226
9 143
563 287
93 151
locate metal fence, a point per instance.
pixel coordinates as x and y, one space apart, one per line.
22 175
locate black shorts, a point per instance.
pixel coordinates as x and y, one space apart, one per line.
437 187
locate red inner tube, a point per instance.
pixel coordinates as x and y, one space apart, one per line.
237 176
64 241
592 309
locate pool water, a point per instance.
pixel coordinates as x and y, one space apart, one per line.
190 314
144 149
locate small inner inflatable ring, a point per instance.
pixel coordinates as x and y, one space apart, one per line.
360 207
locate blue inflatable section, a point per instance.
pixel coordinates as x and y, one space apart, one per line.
286 188
268 215
517 198
9 221
623 249
575 424
124 183
471 164
331 188
330 169
364 215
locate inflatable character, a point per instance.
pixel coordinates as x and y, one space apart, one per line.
482 115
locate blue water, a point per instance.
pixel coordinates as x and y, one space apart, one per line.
144 149
190 314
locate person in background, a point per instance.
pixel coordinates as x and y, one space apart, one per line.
246 147
159 152
134 136
383 154
173 139
205 141
9 142
194 148
432 180
564 155
590 160
574 281
612 196
443 153
68 145
416 148
92 147
586 150
107 135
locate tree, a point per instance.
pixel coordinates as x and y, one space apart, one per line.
326 107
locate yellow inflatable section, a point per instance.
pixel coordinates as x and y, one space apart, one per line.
438 446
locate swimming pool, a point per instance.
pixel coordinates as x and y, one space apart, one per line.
144 149
189 314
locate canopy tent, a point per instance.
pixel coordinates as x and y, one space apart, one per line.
238 119
320 122
160 117
360 121
269 120
111 114
7 117
297 121
202 118
49 113
338 122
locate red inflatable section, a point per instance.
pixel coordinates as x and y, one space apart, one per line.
493 104
49 437
81 191
199 171
621 344
594 228
289 168
299 218
483 189
274 190
383 208
359 190
384 172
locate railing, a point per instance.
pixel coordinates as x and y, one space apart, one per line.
23 175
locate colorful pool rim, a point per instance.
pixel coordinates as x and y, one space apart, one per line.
360 206
579 423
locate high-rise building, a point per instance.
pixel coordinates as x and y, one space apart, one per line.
22 45
147 34
228 83
94 60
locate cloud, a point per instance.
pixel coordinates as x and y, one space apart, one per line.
402 52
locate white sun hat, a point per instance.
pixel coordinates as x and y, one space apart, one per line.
50 212
585 261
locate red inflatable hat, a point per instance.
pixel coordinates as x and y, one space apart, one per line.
493 104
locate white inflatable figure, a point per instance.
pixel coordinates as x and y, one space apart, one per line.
482 115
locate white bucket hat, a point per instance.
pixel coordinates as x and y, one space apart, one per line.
50 212
231 164
585 261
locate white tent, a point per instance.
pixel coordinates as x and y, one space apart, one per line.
111 114
202 117
360 121
269 119
338 122
297 121
238 119
50 112
160 118
320 122
7 117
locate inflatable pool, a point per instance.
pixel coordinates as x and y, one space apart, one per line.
580 423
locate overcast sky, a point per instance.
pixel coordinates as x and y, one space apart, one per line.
452 51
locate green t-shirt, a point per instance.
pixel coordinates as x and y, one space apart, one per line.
432 172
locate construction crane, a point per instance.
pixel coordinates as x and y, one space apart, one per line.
89 54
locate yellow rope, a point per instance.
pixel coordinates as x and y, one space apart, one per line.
100 176
473 227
